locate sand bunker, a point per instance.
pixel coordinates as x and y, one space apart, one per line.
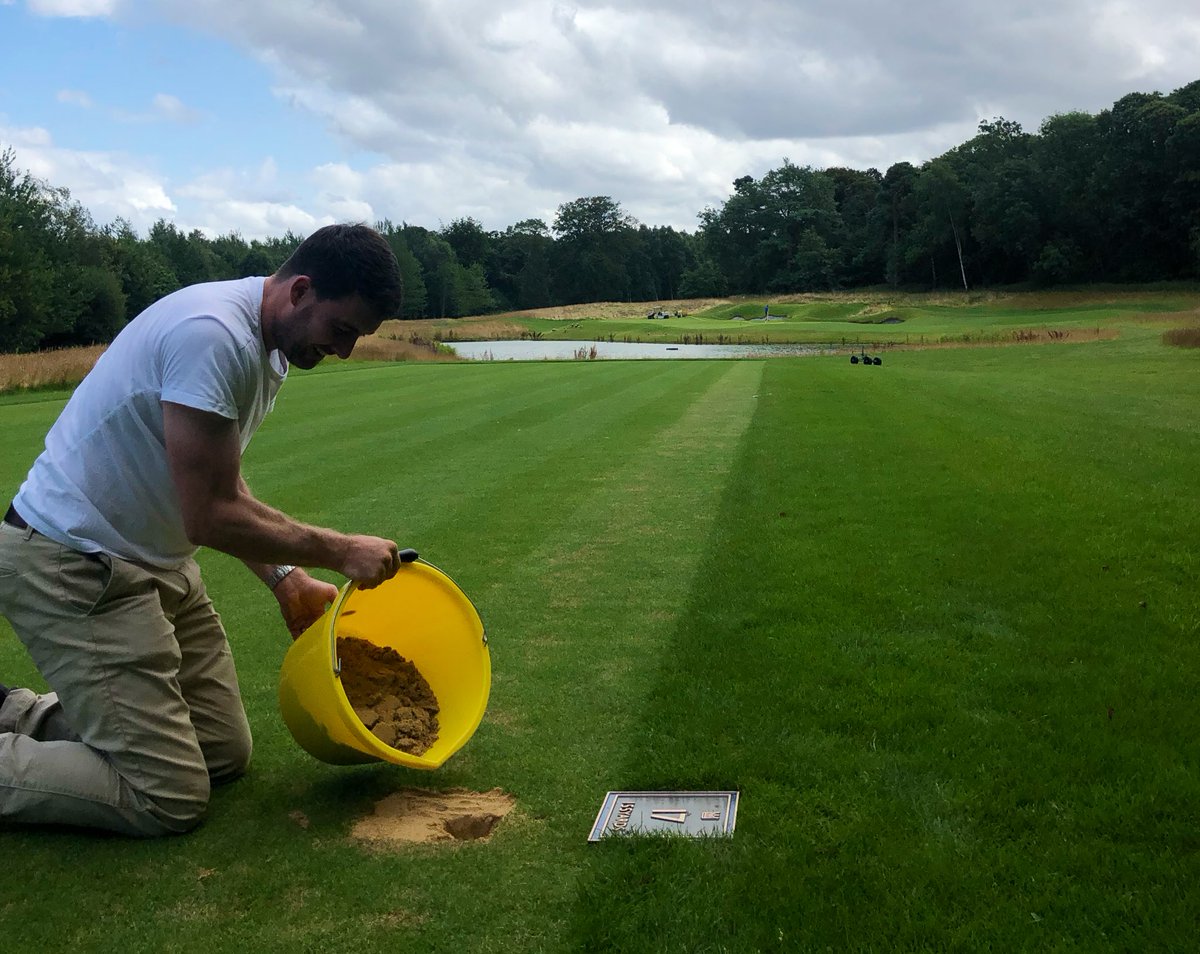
414 815
389 695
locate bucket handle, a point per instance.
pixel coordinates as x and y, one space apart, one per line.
407 555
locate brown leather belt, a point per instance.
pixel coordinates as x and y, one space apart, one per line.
14 519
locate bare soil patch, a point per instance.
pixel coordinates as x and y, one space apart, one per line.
1182 337
418 816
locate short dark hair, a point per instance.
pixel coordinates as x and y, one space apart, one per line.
346 260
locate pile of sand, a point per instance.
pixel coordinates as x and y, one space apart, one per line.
420 816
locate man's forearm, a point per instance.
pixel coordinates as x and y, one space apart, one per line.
264 537
220 512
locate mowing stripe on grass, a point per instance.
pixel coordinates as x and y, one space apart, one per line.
626 543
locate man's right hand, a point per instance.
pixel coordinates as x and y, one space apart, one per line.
370 560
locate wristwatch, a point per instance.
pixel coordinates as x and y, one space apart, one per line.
276 575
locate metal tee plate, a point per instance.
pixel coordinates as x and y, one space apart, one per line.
691 814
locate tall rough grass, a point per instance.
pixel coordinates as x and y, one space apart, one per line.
47 369
1182 337
410 348
451 329
66 367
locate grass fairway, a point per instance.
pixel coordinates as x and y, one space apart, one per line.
938 621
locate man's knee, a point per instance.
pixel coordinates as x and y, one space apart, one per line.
179 805
228 759
174 808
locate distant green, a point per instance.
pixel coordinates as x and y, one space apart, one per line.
852 318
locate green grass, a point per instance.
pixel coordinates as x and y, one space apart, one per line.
938 621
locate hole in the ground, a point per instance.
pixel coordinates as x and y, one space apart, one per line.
471 827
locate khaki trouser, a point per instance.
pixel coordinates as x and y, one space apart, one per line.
145 714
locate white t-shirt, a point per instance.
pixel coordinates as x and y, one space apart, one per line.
103 483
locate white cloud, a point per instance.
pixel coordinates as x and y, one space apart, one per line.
75 97
163 108
166 106
259 203
503 111
109 185
1149 45
74 8
507 110
256 219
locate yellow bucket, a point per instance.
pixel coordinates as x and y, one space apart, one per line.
427 619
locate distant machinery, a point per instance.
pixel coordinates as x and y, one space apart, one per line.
863 358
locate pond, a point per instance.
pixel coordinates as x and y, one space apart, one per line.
568 350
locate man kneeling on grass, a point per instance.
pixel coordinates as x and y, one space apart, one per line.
97 574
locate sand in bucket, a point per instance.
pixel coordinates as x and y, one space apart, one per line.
389 695
422 615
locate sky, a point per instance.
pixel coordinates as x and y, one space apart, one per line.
264 116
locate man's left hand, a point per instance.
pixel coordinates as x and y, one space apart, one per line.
302 600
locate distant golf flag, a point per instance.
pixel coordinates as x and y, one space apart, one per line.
691 814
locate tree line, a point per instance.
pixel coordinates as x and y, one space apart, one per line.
1111 197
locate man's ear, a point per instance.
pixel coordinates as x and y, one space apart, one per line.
299 287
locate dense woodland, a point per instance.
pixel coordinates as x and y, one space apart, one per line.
1113 197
